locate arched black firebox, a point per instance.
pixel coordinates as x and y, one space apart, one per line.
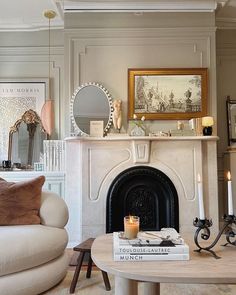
146 192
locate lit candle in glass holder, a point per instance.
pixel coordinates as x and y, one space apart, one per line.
131 226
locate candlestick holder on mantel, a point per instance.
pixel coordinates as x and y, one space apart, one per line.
205 224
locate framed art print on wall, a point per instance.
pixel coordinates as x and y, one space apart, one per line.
167 94
16 97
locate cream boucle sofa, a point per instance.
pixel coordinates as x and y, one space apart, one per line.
32 257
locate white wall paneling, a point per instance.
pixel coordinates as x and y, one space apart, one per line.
54 181
104 55
226 67
32 62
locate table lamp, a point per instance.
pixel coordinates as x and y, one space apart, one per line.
207 123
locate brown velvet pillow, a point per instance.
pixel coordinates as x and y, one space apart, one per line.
20 202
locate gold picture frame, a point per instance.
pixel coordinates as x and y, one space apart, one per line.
167 94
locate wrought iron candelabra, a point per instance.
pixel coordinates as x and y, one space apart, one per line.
203 232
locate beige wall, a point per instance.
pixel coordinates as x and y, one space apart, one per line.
25 55
226 79
226 85
101 47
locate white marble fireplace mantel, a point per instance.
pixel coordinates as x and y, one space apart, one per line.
147 138
93 163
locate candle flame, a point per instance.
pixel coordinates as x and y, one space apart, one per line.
131 219
229 175
198 178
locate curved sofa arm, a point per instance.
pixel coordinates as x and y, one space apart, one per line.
53 211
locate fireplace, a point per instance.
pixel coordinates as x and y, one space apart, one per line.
155 177
145 192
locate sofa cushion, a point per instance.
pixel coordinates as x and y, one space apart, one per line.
27 246
20 202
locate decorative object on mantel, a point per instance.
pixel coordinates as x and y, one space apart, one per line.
180 125
184 132
181 131
96 128
117 114
207 123
195 124
203 224
159 133
90 102
139 129
47 112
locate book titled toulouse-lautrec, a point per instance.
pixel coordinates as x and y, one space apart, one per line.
166 244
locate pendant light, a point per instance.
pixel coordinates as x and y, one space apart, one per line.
47 112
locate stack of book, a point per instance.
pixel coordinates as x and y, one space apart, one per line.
166 244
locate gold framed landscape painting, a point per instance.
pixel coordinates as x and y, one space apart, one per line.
167 94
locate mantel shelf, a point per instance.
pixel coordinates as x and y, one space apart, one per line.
148 138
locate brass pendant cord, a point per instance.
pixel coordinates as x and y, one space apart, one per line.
47 113
49 14
49 56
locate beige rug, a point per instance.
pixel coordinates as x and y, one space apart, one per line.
95 286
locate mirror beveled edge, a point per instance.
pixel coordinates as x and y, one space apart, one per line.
109 99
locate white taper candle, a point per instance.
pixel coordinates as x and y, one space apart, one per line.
200 198
230 196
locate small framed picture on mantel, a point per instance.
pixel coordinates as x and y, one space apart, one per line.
167 94
97 128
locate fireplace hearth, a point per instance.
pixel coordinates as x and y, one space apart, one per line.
145 192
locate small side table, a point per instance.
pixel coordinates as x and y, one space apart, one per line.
85 247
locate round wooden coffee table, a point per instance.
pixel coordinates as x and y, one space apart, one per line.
202 268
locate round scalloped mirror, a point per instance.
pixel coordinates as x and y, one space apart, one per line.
90 102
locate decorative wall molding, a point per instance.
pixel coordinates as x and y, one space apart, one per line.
79 43
23 62
226 23
162 6
197 32
81 46
16 51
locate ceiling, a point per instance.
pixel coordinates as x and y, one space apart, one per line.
27 15
21 15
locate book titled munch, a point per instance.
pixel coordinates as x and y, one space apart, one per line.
166 244
142 257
